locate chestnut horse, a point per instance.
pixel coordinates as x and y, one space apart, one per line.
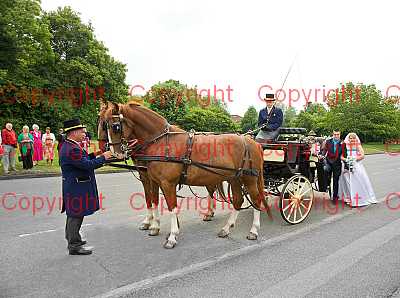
240 161
151 221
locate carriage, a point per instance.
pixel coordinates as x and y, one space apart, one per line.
289 175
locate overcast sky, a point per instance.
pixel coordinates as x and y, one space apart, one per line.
248 44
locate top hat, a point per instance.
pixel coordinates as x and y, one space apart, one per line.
269 97
72 124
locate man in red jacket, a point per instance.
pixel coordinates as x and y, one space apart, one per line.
9 139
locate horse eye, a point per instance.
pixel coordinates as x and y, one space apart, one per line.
116 127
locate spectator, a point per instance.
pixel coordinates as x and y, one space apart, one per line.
37 144
60 141
1 149
25 140
85 144
49 141
9 139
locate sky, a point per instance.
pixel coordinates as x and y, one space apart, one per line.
247 48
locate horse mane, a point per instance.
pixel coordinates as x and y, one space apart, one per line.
144 109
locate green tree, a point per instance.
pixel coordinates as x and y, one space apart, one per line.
169 99
25 50
289 116
52 67
313 117
249 120
201 119
363 110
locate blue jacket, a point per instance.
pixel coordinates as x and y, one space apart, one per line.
79 188
275 118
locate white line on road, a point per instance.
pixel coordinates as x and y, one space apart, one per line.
321 272
47 231
152 282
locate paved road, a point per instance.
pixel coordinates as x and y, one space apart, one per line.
336 252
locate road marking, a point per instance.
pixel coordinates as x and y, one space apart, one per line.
321 272
132 288
47 231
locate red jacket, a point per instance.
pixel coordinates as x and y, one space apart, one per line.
8 137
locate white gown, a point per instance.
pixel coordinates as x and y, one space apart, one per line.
355 188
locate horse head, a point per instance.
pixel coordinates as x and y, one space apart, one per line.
114 130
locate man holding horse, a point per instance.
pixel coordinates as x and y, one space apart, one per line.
270 119
80 195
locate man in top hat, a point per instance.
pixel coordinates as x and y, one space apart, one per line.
80 195
270 118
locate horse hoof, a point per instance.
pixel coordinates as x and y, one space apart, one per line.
154 232
169 244
144 226
223 234
251 236
207 218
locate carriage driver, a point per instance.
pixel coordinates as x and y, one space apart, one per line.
270 118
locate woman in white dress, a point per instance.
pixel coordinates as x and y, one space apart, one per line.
354 185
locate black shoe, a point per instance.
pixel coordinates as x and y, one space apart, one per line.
80 251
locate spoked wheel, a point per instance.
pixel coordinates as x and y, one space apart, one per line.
296 199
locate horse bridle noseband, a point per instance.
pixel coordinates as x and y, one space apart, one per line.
128 147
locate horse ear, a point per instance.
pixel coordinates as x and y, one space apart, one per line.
115 108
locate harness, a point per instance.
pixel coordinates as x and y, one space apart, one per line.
136 151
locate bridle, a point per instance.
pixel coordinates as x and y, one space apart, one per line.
128 147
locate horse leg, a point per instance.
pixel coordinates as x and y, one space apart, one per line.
257 196
155 222
169 191
237 203
145 225
210 205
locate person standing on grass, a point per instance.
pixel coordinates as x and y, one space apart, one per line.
25 141
37 144
49 141
9 139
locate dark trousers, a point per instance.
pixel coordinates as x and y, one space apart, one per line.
72 227
335 169
322 184
27 162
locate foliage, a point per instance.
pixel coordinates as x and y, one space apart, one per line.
249 120
289 116
312 118
169 99
201 119
364 112
52 67
182 106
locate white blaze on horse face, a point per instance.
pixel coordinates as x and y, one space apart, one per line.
110 140
174 226
256 222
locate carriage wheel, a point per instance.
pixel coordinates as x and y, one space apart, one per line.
296 199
